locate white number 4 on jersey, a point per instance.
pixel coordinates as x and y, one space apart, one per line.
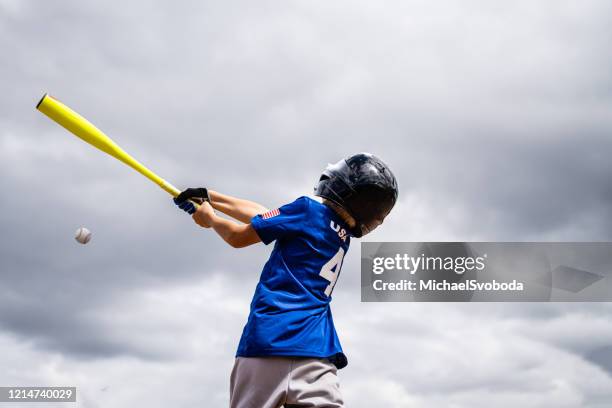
331 270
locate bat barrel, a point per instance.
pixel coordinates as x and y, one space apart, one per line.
85 130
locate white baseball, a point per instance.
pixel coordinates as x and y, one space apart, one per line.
82 235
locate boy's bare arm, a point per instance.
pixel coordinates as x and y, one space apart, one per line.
237 208
237 235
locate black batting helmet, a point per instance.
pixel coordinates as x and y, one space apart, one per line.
364 186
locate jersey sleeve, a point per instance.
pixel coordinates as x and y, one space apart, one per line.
282 222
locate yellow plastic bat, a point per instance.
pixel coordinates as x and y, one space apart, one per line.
81 127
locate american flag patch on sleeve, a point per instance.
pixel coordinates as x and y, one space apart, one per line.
270 214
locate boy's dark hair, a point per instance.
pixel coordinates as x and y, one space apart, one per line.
346 217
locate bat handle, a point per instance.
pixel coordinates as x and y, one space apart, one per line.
173 191
196 205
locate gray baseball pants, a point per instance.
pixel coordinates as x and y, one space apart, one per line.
290 382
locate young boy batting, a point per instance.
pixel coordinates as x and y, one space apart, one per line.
289 352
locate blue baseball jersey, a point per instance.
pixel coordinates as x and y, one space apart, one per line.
290 312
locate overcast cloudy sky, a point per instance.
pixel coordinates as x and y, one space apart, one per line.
494 115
